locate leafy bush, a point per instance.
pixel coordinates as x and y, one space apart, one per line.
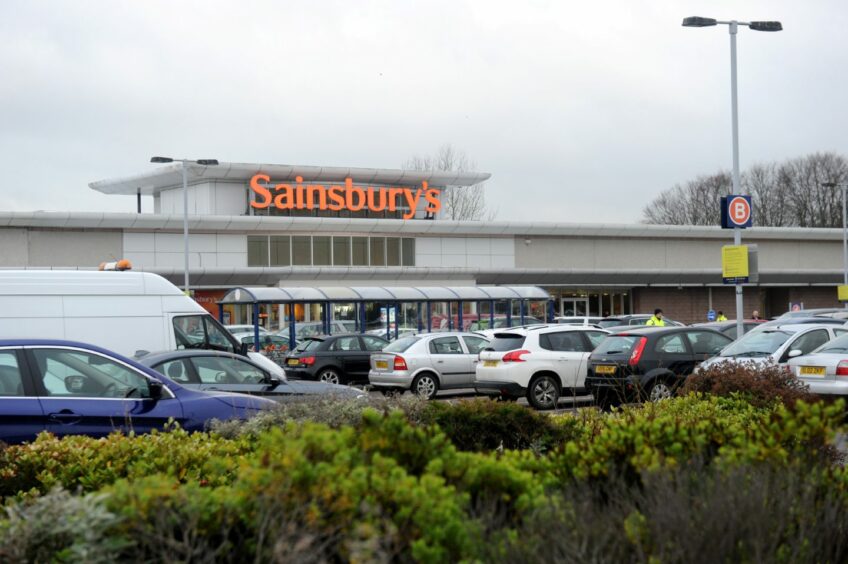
760 384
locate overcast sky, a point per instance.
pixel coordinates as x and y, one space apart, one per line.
582 111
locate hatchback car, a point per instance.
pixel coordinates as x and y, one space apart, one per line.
70 388
825 370
427 363
220 371
336 359
540 363
649 363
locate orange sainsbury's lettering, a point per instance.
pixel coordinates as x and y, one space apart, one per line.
260 191
336 195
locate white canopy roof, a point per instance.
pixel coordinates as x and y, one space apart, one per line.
265 294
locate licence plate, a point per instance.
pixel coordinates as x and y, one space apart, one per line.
292 362
812 371
490 363
605 369
382 364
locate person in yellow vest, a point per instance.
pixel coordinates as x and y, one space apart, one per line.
721 316
657 319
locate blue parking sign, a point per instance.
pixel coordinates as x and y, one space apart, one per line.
711 315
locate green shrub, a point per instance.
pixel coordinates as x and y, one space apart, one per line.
759 384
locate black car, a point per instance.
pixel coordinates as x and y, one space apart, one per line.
336 359
648 363
220 371
728 327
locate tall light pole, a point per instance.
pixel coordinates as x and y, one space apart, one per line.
185 163
733 25
844 187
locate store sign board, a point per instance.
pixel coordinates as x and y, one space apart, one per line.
300 196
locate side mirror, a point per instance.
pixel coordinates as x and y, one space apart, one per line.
795 352
273 381
155 388
243 349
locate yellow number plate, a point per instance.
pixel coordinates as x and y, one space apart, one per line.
382 364
605 369
490 363
292 362
812 371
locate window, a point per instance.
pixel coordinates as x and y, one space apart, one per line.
564 341
706 342
70 373
321 250
808 342
201 332
506 342
281 250
671 344
401 344
11 382
595 338
475 344
408 251
392 251
341 251
374 343
346 344
176 370
302 250
360 251
378 251
257 250
445 345
223 370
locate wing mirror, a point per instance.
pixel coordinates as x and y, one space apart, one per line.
243 349
795 352
155 388
274 381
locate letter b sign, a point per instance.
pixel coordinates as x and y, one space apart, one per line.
736 212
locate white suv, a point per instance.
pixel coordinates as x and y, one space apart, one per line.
541 363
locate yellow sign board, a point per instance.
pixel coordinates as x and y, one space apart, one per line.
734 264
842 293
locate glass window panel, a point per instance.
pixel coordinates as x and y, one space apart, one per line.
321 250
72 373
302 250
280 251
393 251
11 382
360 251
257 250
408 254
341 251
378 251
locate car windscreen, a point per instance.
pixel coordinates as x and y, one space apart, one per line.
505 342
836 346
308 345
401 344
756 344
617 344
604 323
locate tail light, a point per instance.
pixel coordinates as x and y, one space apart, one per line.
307 360
636 356
842 368
514 356
400 363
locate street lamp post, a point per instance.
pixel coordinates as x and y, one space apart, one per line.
733 26
844 187
185 163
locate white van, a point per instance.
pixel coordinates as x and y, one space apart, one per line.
126 312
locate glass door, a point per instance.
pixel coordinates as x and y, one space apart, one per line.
574 307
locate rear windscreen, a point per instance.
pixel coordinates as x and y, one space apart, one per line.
308 344
506 342
617 344
401 344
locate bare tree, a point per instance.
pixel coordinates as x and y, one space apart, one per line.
458 202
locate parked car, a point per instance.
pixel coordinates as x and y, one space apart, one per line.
427 363
649 362
825 370
489 333
541 363
776 345
265 340
304 329
219 371
729 327
336 359
806 320
244 329
70 388
815 312
635 319
484 324
577 320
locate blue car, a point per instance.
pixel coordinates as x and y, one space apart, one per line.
70 388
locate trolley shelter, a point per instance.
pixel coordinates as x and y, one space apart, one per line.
389 310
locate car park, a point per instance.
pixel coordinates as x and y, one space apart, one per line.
220 371
648 362
427 363
71 388
336 359
825 370
729 327
540 363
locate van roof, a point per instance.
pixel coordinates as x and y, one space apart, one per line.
83 283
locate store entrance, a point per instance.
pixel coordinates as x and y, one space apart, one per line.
570 307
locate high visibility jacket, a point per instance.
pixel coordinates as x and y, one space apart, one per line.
656 321
722 318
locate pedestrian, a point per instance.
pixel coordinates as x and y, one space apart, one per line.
721 316
755 315
657 319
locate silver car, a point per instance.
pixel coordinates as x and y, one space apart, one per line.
825 370
427 363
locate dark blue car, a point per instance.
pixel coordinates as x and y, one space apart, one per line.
70 388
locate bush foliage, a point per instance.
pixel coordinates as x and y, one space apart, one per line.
761 385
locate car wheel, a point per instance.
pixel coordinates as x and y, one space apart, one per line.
659 390
543 393
425 385
329 376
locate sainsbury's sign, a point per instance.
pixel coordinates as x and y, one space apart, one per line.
300 196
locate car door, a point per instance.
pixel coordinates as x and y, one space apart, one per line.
473 346
21 415
568 352
451 361
806 343
87 393
673 353
348 352
706 344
